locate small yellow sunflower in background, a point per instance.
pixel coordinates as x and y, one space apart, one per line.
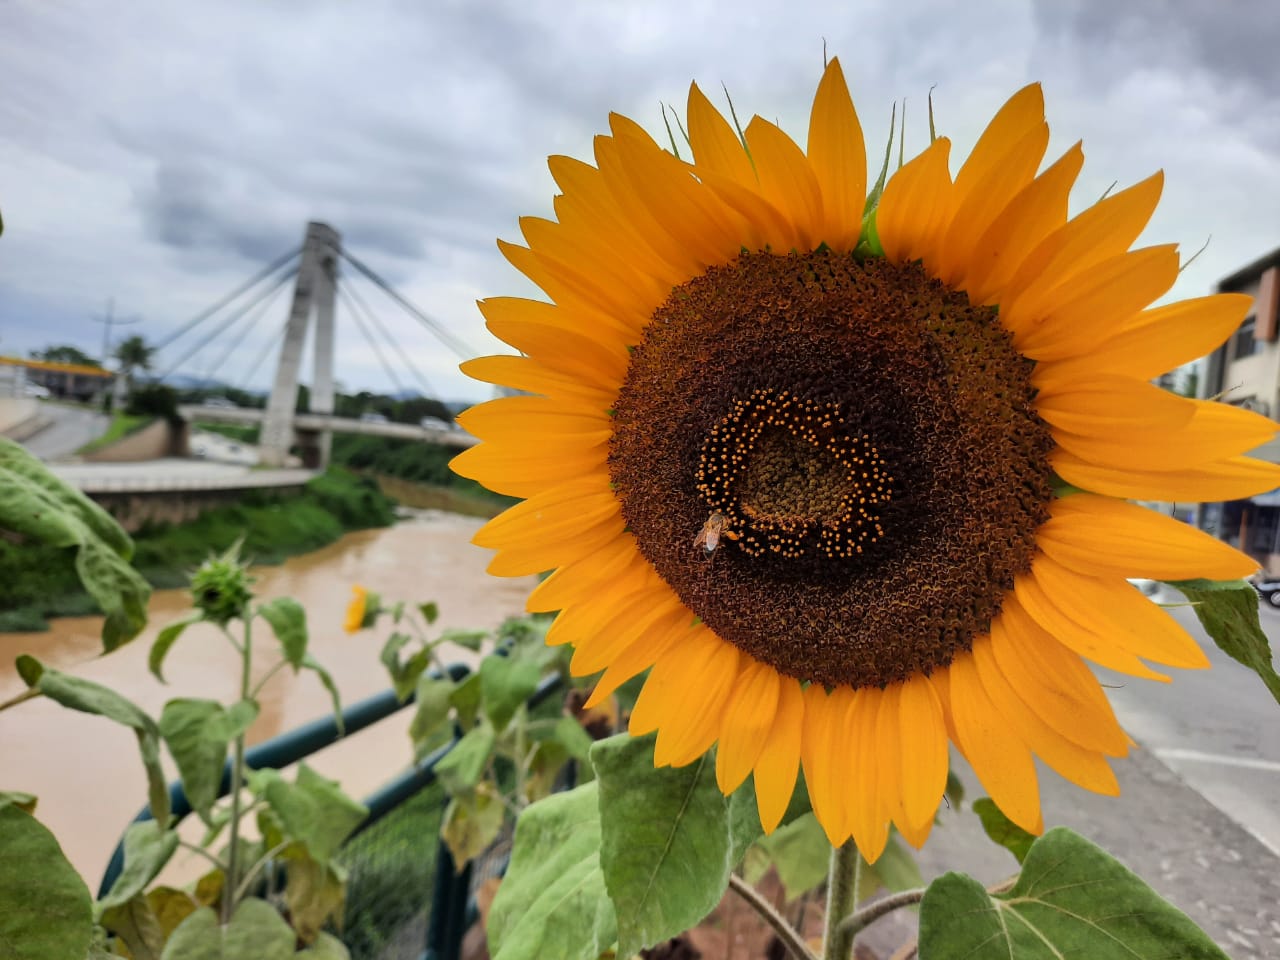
799 453
354 619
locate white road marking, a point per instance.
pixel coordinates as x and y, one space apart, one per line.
1226 760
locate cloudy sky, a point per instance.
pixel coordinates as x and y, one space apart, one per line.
160 153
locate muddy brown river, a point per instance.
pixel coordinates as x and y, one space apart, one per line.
85 769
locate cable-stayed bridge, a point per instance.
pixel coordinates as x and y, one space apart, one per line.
317 285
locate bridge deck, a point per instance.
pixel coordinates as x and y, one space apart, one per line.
173 475
317 421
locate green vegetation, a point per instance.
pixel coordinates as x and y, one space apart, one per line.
420 463
122 424
241 433
40 581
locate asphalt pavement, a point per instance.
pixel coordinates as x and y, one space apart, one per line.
69 430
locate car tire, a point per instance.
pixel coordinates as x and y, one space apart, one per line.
1273 598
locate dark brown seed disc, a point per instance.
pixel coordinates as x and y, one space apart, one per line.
836 464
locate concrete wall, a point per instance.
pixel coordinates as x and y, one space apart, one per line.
153 442
16 413
135 510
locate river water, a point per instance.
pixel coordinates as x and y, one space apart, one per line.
85 769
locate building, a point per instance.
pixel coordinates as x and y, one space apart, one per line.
1245 371
71 381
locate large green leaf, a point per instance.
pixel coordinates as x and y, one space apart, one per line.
1072 899
462 767
665 847
431 710
38 505
89 697
147 848
198 733
326 947
1228 611
289 623
552 902
46 912
506 683
1003 830
256 931
801 853
314 892
744 815
135 922
312 810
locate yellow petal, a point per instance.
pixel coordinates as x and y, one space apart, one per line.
779 761
1055 682
1230 479
1112 408
916 205
716 148
923 751
747 718
1021 114
1086 768
867 815
824 754
998 756
786 180
1094 535
838 158
1036 211
636 659
701 678
581 578
522 474
524 373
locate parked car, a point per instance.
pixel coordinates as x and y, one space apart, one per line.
372 418
1268 589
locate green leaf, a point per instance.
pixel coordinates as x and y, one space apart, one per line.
26 802
135 922
461 768
552 902
801 853
288 622
471 823
430 612
954 791
147 848
311 663
410 671
198 733
431 709
46 912
664 846
568 731
1072 899
326 947
1228 611
314 892
896 870
471 639
505 684
466 700
256 930
744 815
312 810
89 697
37 505
1003 830
166 639
170 907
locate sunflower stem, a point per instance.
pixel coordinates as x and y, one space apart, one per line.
787 934
842 894
860 919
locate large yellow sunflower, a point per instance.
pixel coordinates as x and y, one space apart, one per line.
809 465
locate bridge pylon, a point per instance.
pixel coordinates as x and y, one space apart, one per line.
315 286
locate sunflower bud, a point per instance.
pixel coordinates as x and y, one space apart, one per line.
220 587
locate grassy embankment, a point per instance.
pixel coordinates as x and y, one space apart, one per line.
40 581
122 424
413 473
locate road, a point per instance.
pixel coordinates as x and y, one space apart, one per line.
71 429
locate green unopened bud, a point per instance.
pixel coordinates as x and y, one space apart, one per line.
220 588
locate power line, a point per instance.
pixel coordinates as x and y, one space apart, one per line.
395 344
253 319
229 298
460 348
391 374
217 331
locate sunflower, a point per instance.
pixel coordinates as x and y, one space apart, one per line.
850 476
356 609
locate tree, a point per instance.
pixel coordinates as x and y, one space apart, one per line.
65 353
134 353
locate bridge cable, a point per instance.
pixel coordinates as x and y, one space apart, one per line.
355 315
370 315
284 278
243 288
442 334
236 340
271 349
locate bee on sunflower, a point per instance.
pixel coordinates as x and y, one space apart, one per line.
916 416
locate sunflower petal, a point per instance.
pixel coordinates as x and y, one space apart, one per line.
716 148
838 157
867 817
923 750
786 179
747 718
916 205
1230 479
779 761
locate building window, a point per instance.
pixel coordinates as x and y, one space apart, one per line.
1244 343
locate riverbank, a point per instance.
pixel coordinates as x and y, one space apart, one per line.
40 582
